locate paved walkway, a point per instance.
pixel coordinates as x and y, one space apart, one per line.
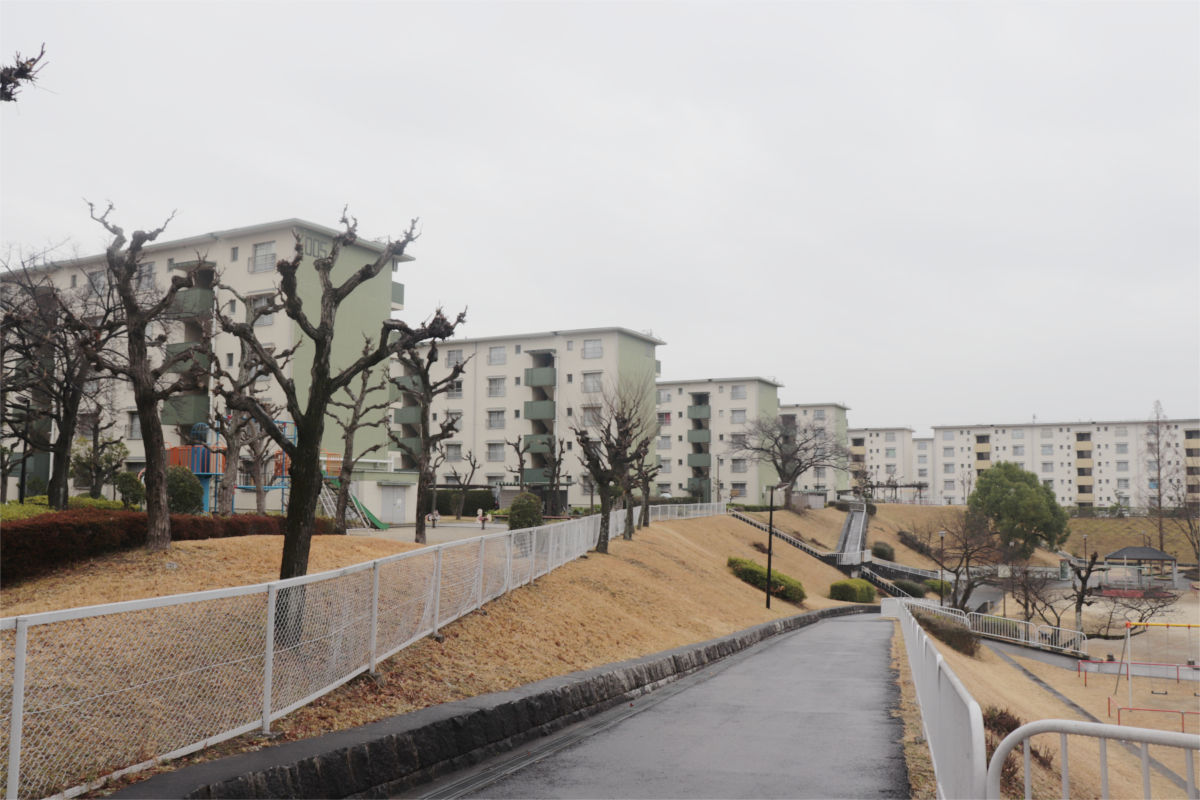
805 715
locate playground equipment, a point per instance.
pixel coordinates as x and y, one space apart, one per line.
205 457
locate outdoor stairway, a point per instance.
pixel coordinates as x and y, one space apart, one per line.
328 500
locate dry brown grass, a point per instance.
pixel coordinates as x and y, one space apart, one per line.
1109 535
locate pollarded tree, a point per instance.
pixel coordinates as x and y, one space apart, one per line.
357 413
961 543
316 327
22 70
464 481
419 384
790 449
1164 467
1019 508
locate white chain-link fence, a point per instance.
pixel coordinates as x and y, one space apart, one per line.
89 692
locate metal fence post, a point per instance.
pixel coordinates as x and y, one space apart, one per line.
508 579
18 710
374 615
437 587
481 571
269 657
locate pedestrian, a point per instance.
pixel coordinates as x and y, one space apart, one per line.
482 520
436 516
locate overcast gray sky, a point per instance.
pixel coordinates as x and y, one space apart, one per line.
934 213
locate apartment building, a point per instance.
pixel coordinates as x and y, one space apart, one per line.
532 388
1087 464
244 260
832 416
699 423
894 461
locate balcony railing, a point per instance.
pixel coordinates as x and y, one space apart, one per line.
540 376
539 409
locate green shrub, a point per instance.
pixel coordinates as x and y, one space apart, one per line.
939 587
526 511
913 543
132 492
36 485
83 501
185 494
844 505
883 550
12 510
853 590
960 637
755 574
913 588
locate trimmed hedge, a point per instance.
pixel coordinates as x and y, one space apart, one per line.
939 587
843 505
41 544
883 550
913 543
476 499
914 588
526 511
853 590
755 574
961 638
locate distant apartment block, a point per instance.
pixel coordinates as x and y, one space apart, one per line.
831 416
894 460
699 423
532 388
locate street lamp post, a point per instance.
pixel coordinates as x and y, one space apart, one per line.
1085 550
941 558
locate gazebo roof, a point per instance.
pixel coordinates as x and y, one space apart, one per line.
1139 553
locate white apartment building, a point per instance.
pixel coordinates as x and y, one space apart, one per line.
243 259
832 416
533 388
895 462
1087 464
699 422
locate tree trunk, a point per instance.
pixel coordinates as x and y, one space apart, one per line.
787 497
233 456
644 520
158 517
423 508
605 509
629 523
459 503
343 493
302 507
94 488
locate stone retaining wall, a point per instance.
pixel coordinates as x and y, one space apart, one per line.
390 756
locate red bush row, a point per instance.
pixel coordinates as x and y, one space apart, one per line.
41 544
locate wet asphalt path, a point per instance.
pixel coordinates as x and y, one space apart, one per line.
804 715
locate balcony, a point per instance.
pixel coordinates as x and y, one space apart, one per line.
697 485
408 415
1084 463
701 460
539 442
190 303
539 409
699 436
535 475
185 409
540 376
699 412
983 447
413 443
1084 480
398 386
397 296
1083 492
185 364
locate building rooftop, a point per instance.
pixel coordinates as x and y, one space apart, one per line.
645 337
842 406
748 379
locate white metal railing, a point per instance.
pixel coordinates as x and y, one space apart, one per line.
917 572
1189 743
951 718
1021 632
109 689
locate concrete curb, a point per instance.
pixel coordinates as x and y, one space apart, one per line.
392 755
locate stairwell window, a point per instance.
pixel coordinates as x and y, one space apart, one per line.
454 358
496 355
455 390
261 301
495 451
737 391
496 387
593 382
739 490
737 416
739 465
453 452
592 348
495 419
263 257
591 416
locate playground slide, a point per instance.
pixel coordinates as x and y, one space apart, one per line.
367 515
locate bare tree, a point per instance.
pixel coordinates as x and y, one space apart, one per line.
1160 448
325 378
261 453
361 414
420 386
464 482
1135 610
1030 588
790 449
22 70
966 482
1082 591
553 463
140 318
1185 513
521 449
647 470
610 444
97 457
960 544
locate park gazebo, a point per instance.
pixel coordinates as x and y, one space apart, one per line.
1138 568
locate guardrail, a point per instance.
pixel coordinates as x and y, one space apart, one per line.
1189 743
115 688
1144 669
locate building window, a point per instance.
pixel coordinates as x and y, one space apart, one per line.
1018 449
455 391
454 418
145 276
664 418
1122 466
819 414
922 459
889 452
1122 483
890 436
1121 430
664 443
1047 449
592 381
229 359
947 469
737 440
495 419
592 348
98 281
947 452
261 301
890 469
495 387
591 415
454 452
663 488
1047 466
134 429
739 465
737 416
664 466
739 490
453 358
948 486
496 355
664 395
1047 433
263 258
737 391
1122 448
947 436
922 473
233 254
818 473
495 451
